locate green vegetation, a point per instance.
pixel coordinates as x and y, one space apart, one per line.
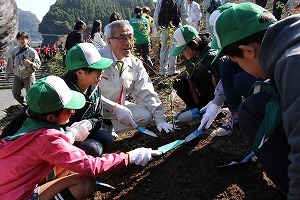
55 67
62 16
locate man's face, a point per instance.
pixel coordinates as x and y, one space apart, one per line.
22 41
121 42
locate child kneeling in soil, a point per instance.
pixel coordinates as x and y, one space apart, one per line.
29 154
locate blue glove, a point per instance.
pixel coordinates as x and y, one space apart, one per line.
189 115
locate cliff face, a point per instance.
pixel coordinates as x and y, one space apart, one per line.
8 24
29 23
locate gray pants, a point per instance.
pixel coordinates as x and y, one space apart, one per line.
142 116
167 62
19 84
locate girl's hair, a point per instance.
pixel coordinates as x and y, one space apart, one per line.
114 16
71 76
146 9
96 27
138 12
79 25
12 127
202 41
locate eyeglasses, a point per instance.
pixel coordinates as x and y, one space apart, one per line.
122 38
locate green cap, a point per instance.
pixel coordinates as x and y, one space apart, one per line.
213 44
86 55
212 18
182 36
236 22
52 93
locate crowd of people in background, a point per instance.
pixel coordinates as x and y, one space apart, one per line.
3 64
47 52
192 14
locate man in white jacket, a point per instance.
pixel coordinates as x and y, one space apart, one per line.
128 75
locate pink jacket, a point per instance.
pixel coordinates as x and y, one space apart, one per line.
28 159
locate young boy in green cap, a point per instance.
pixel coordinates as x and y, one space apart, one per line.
196 85
250 36
85 68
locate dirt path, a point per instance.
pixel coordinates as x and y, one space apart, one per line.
6 101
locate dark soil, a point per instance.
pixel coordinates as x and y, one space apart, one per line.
189 171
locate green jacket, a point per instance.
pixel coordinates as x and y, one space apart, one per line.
141 29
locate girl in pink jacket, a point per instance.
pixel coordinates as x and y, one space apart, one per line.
27 155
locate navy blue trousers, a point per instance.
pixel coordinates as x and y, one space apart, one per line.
236 84
273 155
97 143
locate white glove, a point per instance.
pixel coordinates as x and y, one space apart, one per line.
167 127
79 131
141 156
124 115
212 110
